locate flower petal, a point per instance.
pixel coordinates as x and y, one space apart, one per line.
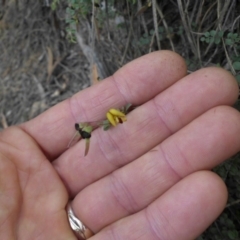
111 119
116 112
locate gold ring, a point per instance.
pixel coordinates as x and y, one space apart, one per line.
79 229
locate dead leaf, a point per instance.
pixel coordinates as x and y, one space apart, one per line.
6 72
4 121
56 93
95 75
97 29
50 62
141 10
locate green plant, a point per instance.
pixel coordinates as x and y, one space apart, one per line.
212 37
132 1
179 30
54 4
75 10
192 63
236 65
227 224
147 37
232 39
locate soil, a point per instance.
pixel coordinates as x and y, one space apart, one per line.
39 67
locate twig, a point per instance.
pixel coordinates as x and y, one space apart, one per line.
216 225
165 26
193 11
232 29
87 51
108 27
233 203
223 11
154 9
234 23
152 39
229 11
142 18
129 37
39 87
211 58
52 66
200 26
93 26
220 17
187 27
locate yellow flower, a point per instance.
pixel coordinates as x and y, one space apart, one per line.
115 116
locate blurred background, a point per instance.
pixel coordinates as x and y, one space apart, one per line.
51 49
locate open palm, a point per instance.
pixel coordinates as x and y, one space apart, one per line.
148 178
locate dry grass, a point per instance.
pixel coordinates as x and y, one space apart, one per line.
38 66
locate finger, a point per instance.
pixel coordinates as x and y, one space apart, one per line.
135 83
198 146
10 198
182 213
147 126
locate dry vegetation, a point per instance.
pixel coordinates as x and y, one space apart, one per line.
39 66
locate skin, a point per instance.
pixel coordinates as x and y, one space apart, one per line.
123 189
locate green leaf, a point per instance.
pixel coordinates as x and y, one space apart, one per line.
161 29
187 62
144 41
233 234
106 127
105 122
161 37
213 33
194 24
234 170
220 34
71 30
229 41
180 31
207 40
145 35
69 20
235 35
127 107
236 65
53 6
202 39
217 40
229 223
152 32
70 11
238 78
211 40
206 34
230 35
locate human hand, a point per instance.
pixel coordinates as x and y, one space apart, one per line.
123 189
